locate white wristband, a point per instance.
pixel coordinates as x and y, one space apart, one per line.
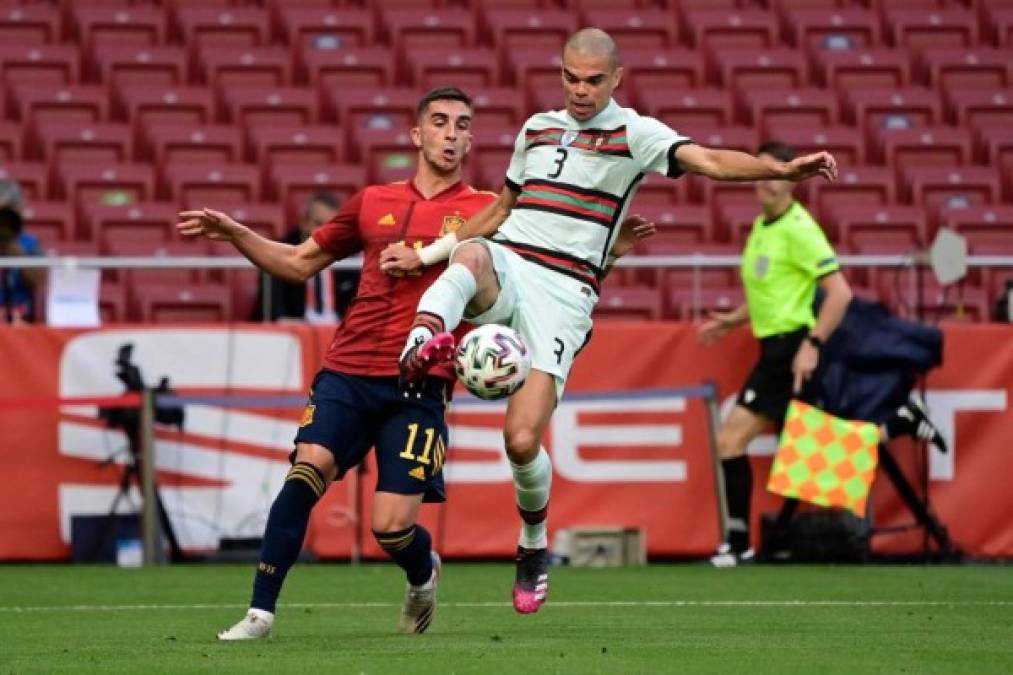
439 250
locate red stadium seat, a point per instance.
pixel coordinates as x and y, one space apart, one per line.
741 138
292 185
112 302
174 304
37 64
978 107
778 108
105 183
514 31
123 25
239 27
910 107
735 220
199 144
125 65
678 221
32 176
392 110
880 227
686 305
265 67
388 156
646 28
830 30
848 69
40 103
660 190
996 148
927 146
352 68
312 145
986 227
964 67
10 141
134 277
149 223
761 70
655 69
409 28
29 24
464 67
537 68
71 248
62 142
326 28
199 185
713 29
49 221
497 106
854 184
629 303
255 106
266 219
147 107
493 145
999 23
951 186
918 28
846 144
692 107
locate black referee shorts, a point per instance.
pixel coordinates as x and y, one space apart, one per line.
768 389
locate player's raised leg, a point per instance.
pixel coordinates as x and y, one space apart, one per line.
306 482
410 546
528 414
469 282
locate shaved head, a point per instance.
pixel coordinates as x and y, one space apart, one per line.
593 42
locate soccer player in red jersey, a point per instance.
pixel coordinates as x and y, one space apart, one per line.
355 402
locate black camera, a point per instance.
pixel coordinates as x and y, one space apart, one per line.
128 419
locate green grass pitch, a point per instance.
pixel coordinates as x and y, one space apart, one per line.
656 619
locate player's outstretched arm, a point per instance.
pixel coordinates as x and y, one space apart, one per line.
285 261
732 165
398 259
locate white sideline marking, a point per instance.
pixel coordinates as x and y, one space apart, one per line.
572 604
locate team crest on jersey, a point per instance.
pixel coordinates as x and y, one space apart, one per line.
451 223
568 137
307 415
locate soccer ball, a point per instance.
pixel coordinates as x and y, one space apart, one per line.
492 361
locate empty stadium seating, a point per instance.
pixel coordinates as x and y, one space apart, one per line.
118 113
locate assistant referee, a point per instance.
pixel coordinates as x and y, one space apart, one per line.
786 257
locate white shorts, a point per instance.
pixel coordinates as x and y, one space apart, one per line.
550 310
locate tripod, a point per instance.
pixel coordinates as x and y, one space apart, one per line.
132 473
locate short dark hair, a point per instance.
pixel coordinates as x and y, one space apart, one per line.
440 94
325 198
777 150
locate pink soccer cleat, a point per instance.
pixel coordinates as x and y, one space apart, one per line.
532 584
420 359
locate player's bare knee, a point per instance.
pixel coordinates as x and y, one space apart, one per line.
474 256
319 456
392 522
731 444
522 444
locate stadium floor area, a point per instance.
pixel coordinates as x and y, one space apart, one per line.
655 619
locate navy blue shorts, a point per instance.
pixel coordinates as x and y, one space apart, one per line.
349 414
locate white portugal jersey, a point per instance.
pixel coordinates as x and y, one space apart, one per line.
575 182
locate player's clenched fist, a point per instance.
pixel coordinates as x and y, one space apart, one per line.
208 223
398 260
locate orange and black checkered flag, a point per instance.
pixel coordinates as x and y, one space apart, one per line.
825 460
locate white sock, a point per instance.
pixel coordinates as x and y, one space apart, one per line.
262 614
446 298
532 484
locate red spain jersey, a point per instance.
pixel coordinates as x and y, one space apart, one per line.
372 334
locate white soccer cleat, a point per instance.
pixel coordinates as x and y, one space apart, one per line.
420 602
256 625
726 557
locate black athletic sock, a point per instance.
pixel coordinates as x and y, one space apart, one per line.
411 549
738 490
286 529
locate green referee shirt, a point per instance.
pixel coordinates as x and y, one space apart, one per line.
783 261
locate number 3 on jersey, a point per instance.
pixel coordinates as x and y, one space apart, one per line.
560 161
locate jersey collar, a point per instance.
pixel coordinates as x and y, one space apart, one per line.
607 113
447 193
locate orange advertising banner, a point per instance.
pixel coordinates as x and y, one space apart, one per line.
629 449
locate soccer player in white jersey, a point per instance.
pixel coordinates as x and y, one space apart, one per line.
534 258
